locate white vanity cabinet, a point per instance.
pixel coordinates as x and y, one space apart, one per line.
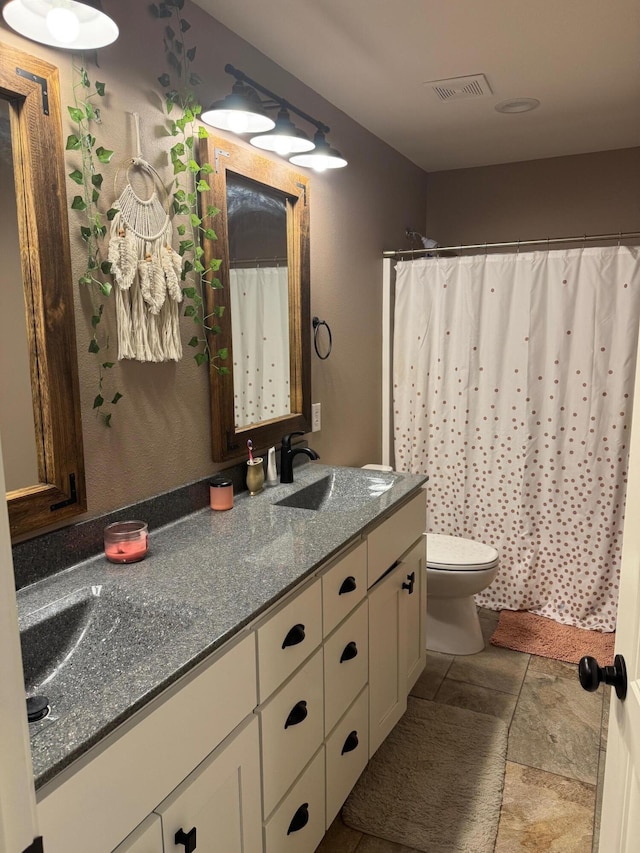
147 838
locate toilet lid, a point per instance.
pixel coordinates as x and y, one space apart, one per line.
455 552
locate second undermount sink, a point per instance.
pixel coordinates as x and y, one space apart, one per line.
340 491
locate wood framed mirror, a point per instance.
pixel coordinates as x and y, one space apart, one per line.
263 243
45 473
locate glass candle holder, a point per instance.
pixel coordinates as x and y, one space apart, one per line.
220 493
126 541
255 475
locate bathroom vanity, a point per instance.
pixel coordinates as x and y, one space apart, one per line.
273 650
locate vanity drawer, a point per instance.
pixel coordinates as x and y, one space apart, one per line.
343 586
387 542
346 665
291 728
287 637
347 753
298 824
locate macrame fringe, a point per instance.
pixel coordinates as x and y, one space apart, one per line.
147 274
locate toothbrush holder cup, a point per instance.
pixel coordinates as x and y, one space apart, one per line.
255 475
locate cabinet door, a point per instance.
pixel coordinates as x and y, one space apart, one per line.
415 575
147 838
217 807
387 655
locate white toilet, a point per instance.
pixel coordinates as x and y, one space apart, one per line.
457 569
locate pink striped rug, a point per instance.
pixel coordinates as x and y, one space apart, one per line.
536 635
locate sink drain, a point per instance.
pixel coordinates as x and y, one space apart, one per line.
37 708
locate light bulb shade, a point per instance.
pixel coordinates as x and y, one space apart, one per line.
284 139
239 112
321 158
67 24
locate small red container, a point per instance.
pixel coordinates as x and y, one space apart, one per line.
126 541
220 493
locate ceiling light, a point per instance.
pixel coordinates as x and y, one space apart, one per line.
517 105
285 138
239 112
67 24
322 157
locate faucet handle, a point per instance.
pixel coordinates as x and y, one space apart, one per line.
286 439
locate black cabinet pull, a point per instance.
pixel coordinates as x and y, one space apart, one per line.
297 714
412 579
348 585
296 635
351 742
300 819
186 838
349 652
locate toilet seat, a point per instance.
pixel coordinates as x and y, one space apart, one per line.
455 553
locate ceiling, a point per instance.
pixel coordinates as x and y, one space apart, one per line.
371 58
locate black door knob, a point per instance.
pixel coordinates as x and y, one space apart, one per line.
591 675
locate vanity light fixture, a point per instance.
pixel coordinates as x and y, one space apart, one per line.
241 111
67 24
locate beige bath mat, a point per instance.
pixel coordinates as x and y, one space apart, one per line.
537 635
435 784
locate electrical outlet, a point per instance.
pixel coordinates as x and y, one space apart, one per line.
316 417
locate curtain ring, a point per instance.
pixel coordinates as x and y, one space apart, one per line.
485 247
316 325
518 247
619 238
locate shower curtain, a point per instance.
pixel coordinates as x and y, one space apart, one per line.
513 380
260 333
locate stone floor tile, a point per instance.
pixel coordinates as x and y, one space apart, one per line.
494 667
476 698
544 813
554 667
339 839
606 704
370 844
598 808
432 676
556 727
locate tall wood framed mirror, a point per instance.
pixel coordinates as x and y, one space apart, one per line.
40 401
263 243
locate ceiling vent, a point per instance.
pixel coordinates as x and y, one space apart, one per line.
456 88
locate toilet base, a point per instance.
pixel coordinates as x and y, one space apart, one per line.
453 626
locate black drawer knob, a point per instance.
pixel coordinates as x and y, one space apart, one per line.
348 585
349 652
297 714
295 635
591 675
300 819
186 838
351 742
411 580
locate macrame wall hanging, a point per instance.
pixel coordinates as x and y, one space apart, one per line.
146 270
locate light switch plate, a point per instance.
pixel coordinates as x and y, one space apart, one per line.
316 417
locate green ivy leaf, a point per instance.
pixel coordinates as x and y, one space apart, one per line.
184 25
118 396
189 311
103 154
108 364
202 186
78 203
97 180
73 143
107 420
210 234
169 33
223 371
96 319
179 166
218 310
111 213
180 195
106 288
91 113
100 88
93 346
105 267
212 210
77 176
203 133
99 401
198 267
214 264
76 114
206 168
200 358
85 279
182 230
216 284
85 233
195 220
185 246
194 79
195 340
191 54
188 266
216 330
95 195
189 292
164 80
223 353
84 78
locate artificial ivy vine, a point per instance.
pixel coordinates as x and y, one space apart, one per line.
190 180
85 113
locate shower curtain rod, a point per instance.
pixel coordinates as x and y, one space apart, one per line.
584 238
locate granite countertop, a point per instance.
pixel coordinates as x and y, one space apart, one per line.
135 629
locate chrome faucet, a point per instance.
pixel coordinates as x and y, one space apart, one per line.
286 456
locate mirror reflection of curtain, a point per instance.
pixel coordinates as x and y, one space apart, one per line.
260 333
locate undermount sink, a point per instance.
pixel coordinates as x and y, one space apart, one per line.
340 491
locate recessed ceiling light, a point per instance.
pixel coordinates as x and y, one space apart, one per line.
517 105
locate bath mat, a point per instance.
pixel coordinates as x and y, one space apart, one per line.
537 635
436 782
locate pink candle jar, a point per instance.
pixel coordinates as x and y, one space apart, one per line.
126 541
220 493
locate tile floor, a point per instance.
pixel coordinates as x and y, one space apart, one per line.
555 755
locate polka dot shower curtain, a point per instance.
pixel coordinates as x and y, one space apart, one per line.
260 331
513 382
